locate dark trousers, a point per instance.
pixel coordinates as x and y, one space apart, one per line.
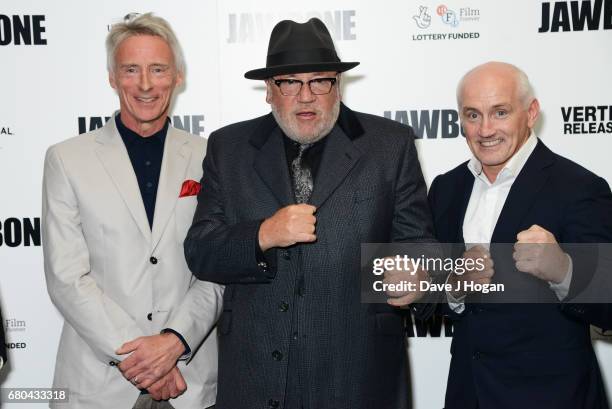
145 401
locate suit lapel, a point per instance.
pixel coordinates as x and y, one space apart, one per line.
528 183
339 157
271 166
173 170
115 159
465 189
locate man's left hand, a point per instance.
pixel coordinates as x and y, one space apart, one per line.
169 386
537 252
151 358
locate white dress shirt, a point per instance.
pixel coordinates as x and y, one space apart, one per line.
485 205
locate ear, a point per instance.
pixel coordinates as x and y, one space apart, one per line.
338 83
111 80
532 113
269 91
180 77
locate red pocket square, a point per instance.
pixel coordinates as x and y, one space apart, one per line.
190 188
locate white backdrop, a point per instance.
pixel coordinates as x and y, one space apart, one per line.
53 77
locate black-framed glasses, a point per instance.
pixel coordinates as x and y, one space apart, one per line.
291 87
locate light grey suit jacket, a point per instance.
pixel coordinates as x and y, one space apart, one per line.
98 250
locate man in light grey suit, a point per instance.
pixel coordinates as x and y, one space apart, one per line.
117 203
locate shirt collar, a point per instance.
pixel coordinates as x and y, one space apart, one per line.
293 146
512 168
130 137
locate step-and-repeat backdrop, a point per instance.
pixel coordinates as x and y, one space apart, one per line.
54 85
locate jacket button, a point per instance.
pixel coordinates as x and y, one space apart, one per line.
476 355
112 363
150 316
286 255
273 403
283 307
277 355
153 260
263 266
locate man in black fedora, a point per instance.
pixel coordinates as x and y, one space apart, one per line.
286 201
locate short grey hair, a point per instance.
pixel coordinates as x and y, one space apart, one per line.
142 24
525 90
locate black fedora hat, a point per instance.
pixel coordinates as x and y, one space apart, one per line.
296 48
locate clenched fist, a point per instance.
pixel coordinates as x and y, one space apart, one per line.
536 252
288 226
411 275
475 275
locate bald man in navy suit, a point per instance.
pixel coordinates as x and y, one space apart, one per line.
515 189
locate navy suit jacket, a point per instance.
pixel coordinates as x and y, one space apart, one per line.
527 355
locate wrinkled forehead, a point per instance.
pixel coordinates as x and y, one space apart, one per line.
489 88
144 45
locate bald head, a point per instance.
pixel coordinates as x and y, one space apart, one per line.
495 73
498 112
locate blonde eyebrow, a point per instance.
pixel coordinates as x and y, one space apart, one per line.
504 105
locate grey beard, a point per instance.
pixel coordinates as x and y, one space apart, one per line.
304 139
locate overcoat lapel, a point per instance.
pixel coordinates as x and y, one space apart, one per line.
339 157
271 166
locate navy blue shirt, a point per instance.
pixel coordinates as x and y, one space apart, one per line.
146 155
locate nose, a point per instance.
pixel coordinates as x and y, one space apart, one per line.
145 81
486 128
306 94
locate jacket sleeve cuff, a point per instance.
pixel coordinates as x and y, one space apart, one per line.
266 260
561 289
187 353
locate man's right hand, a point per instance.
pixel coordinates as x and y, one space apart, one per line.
475 275
288 226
